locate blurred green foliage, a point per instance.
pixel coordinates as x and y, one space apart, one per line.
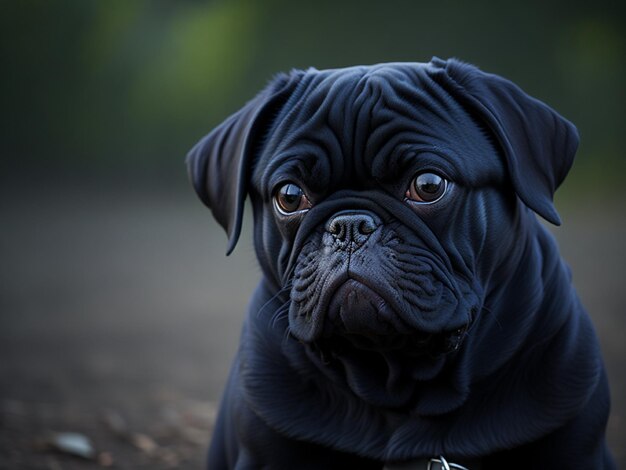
101 86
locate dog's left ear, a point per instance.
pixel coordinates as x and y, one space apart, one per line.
219 165
538 143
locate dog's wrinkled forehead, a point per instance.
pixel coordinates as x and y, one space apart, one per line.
361 126
365 127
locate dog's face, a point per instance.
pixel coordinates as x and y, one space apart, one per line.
385 202
384 214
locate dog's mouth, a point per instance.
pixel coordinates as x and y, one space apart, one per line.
358 317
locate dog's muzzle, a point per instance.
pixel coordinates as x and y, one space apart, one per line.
362 288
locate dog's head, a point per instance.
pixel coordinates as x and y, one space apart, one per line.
386 200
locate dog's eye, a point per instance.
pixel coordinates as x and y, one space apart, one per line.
427 188
290 198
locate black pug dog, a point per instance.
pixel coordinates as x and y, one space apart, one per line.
413 312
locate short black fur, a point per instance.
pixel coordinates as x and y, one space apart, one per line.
387 330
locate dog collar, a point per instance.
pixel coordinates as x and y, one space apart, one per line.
436 463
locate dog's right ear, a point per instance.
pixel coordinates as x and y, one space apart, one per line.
219 165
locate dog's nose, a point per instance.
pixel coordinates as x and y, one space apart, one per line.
352 227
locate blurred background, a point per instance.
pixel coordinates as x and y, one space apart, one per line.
119 313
